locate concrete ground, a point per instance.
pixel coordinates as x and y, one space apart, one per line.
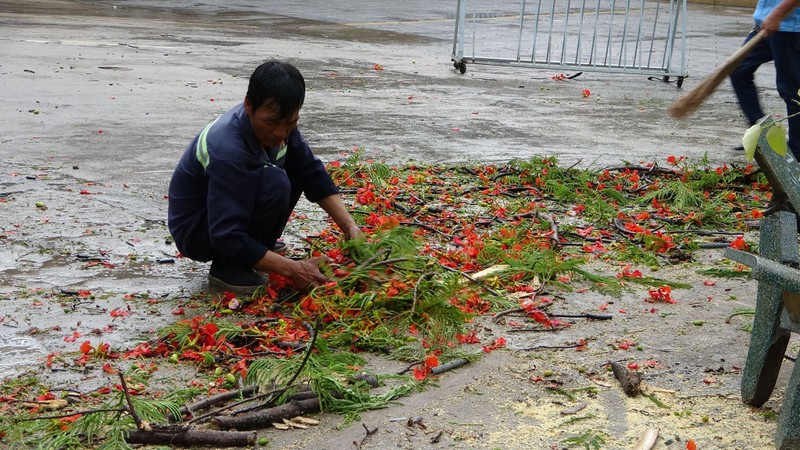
100 98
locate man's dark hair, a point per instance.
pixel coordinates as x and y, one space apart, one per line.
280 83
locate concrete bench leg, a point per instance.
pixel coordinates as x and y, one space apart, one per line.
768 340
787 436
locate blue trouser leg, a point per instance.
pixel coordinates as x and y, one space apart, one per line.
742 80
786 52
275 202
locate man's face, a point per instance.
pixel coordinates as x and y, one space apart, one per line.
269 130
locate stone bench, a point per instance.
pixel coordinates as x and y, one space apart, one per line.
778 300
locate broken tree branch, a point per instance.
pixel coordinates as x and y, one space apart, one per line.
190 438
131 410
629 380
244 392
583 316
76 413
449 365
501 314
364 439
263 418
551 347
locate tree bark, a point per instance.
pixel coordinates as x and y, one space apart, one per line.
262 419
188 438
631 381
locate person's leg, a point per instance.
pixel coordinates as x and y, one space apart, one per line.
786 49
275 202
742 80
192 239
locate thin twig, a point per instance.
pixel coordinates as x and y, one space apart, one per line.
426 227
551 347
76 413
534 330
372 258
410 366
385 262
583 316
314 333
132 411
533 294
416 288
478 282
364 439
499 315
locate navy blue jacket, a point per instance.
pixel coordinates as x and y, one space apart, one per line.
214 186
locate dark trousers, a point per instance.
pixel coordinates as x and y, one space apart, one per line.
784 49
275 200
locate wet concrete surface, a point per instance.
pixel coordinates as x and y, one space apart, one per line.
100 98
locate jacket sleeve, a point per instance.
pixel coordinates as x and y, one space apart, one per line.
231 201
306 171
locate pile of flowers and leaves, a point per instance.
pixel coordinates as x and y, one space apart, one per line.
443 246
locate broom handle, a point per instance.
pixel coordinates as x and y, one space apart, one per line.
689 102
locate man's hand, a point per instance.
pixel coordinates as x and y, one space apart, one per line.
773 21
305 273
352 232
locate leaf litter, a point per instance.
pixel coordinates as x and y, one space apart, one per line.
447 247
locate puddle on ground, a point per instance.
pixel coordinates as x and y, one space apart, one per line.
7 259
17 352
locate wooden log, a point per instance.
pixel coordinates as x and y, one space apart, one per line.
191 438
262 419
630 380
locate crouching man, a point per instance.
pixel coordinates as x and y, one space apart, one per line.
238 181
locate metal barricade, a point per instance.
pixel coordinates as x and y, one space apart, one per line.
616 36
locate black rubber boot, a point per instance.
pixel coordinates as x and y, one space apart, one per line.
230 277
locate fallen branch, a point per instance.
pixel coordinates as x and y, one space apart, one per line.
426 227
551 347
364 439
499 315
131 410
534 330
583 316
449 365
630 380
190 438
410 366
244 392
261 419
76 413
